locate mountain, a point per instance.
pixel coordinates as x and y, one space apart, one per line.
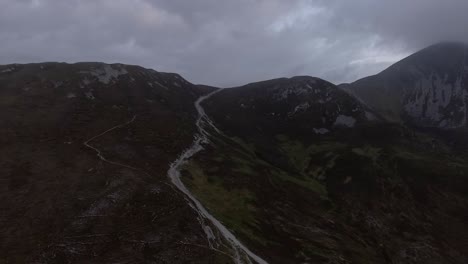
301 104
426 89
107 163
61 200
309 187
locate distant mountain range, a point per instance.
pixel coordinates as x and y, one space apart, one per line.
112 163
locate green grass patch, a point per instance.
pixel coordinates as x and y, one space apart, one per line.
305 182
234 207
243 165
219 158
247 147
302 156
298 154
368 152
327 146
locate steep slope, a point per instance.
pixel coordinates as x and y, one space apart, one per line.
427 89
296 188
83 165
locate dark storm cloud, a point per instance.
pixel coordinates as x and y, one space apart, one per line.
225 42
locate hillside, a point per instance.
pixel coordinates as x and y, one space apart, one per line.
113 163
60 201
309 189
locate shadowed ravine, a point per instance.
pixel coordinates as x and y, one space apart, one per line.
241 253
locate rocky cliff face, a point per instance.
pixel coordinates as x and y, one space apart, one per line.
427 89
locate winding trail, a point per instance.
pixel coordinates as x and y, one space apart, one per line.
99 153
240 251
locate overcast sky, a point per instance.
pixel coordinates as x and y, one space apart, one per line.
230 42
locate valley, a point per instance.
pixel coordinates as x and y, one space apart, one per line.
113 163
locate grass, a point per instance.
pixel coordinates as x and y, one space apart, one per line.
313 160
243 166
368 152
234 207
300 155
305 182
249 148
326 146
297 153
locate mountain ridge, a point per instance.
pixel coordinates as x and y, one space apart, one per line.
297 170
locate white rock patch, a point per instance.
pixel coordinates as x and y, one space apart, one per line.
107 73
300 108
161 85
321 131
343 120
90 95
294 90
57 84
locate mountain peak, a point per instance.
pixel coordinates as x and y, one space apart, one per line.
448 45
426 89
440 57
